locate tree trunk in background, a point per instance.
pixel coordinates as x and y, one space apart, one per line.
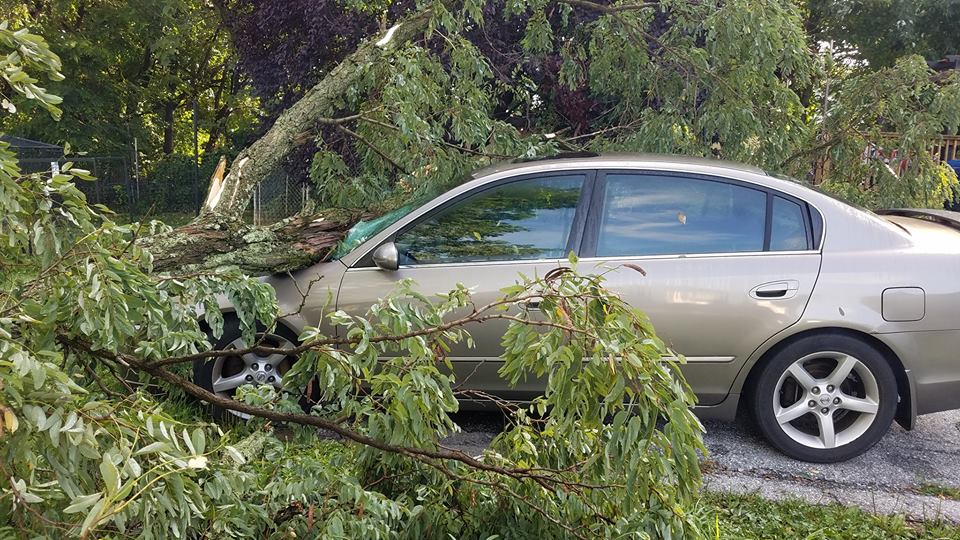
218 237
169 108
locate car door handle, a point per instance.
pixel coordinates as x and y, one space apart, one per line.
532 305
775 290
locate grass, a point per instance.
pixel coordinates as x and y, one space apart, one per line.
729 516
173 219
944 492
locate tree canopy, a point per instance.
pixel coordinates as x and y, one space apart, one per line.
879 32
134 70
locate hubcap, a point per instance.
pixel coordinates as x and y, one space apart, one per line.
826 400
230 372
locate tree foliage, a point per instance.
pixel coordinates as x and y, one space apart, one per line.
134 69
94 348
881 31
876 135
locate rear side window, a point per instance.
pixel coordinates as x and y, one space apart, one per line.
646 214
523 220
788 230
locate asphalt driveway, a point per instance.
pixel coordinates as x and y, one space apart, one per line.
896 476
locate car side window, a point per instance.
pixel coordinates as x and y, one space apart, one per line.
655 214
788 231
524 220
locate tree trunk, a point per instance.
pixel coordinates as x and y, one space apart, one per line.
218 236
267 154
169 108
286 246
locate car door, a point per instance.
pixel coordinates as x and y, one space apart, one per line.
482 239
727 264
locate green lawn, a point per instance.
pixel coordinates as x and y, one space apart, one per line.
752 517
173 219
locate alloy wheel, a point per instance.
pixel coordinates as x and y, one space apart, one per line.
230 372
826 399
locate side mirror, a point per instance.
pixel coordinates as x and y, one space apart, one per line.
386 257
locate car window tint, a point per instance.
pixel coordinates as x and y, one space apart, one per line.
669 215
528 219
788 231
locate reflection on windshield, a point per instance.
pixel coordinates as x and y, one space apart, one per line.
364 230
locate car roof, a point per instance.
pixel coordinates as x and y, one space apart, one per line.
587 159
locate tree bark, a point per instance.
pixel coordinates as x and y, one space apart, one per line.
218 237
267 154
286 246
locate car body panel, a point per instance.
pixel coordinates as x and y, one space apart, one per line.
711 294
305 296
475 367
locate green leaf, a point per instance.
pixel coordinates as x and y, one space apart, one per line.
82 502
92 516
111 476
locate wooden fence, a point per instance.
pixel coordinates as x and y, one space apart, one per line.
946 148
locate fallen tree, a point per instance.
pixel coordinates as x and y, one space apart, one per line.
218 237
94 348
675 77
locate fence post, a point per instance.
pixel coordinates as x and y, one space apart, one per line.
128 188
98 183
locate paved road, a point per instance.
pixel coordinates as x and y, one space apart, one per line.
884 480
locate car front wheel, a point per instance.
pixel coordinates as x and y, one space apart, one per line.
222 375
825 398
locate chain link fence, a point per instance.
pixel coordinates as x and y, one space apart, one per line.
277 198
113 186
172 191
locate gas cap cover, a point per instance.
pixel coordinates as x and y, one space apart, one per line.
903 304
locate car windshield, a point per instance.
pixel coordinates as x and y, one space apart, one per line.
364 230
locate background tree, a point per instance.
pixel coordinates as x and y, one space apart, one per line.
136 68
879 32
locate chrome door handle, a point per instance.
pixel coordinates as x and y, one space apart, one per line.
775 290
531 304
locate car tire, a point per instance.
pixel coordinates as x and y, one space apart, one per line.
223 375
825 398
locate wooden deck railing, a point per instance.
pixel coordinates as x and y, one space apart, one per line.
946 148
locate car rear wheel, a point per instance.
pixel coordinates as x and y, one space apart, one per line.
825 398
223 375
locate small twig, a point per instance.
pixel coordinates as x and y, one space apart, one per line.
373 147
303 294
90 371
